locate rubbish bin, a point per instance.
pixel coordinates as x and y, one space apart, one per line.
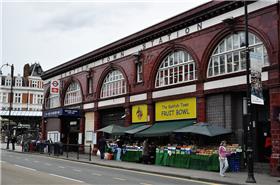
55 149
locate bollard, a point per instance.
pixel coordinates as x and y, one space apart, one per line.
78 151
90 152
67 150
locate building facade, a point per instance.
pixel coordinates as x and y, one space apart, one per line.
27 99
189 67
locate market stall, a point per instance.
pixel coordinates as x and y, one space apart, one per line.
132 154
191 157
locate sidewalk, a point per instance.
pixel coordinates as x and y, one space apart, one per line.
231 177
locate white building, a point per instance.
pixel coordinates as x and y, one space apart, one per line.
26 107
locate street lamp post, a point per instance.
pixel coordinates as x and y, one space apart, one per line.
10 101
249 131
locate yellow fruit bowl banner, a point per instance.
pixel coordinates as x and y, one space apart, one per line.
139 113
176 109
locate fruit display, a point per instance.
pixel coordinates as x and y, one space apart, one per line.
192 149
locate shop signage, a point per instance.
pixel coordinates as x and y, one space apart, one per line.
256 80
139 113
52 113
54 87
62 112
176 109
71 112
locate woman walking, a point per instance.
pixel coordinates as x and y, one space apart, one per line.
223 158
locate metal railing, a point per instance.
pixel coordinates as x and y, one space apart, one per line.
59 149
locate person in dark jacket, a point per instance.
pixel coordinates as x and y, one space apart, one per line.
102 147
145 152
14 140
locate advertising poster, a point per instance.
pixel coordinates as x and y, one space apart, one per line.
256 80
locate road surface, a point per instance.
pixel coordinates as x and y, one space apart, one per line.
17 168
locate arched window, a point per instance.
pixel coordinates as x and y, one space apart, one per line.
52 101
73 94
229 56
113 85
177 67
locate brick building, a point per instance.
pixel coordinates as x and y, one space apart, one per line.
195 60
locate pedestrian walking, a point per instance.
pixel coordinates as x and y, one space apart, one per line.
102 147
119 149
223 158
14 140
145 152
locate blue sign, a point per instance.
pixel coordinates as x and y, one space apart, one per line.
62 113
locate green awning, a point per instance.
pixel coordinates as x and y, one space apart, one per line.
164 128
138 129
123 130
111 129
206 129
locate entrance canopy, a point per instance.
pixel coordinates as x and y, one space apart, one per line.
204 129
164 128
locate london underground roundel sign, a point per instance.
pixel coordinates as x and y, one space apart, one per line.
54 87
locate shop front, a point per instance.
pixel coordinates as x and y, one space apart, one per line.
63 125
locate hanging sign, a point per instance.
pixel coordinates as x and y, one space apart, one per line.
54 87
139 113
176 109
256 80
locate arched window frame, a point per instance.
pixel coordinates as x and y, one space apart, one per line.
114 84
178 67
73 94
52 101
229 55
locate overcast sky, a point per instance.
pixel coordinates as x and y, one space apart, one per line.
53 32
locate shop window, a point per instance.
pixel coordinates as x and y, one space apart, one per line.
113 85
229 55
177 67
73 94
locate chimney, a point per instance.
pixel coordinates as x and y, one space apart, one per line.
26 70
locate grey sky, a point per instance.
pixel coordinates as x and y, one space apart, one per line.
54 32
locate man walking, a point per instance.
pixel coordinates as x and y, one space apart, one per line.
102 147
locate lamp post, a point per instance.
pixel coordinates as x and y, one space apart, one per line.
10 101
249 131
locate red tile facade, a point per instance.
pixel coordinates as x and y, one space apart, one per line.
264 23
